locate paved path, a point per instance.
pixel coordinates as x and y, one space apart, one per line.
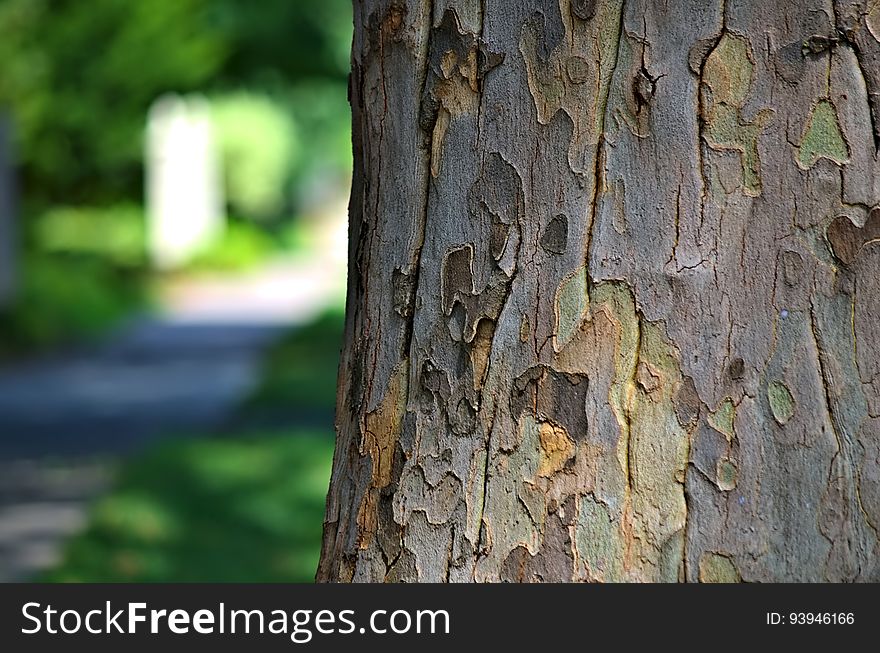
64 420
153 377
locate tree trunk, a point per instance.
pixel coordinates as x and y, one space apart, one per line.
614 293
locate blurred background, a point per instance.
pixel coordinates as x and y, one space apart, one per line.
173 185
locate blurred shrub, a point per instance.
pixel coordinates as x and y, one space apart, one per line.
257 141
321 110
65 298
116 234
241 246
274 41
300 372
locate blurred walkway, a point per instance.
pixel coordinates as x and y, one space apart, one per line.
64 420
186 368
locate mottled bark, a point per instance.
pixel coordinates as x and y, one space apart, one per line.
614 290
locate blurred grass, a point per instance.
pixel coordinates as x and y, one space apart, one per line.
248 508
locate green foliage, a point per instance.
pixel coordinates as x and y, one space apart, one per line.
321 110
117 233
66 298
78 79
277 40
242 245
301 370
248 508
277 146
81 78
257 142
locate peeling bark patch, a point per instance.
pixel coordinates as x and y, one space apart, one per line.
403 290
630 103
671 563
718 568
549 28
496 199
556 397
458 61
727 78
729 70
793 268
514 510
737 369
573 74
436 501
463 418
823 138
513 569
434 383
382 426
687 403
790 63
555 238
723 418
648 380
394 19
571 306
657 452
438 135
599 542
726 474
872 20
553 563
458 276
368 518
643 89
404 568
480 351
781 402
525 329
847 240
578 69
556 448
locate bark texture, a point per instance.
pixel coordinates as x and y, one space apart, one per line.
614 301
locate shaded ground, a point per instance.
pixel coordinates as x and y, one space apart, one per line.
66 420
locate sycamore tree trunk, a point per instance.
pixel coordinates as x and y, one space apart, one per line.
614 298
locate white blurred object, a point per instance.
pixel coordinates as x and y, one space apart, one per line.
184 189
8 230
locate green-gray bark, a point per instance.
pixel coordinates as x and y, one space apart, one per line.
614 291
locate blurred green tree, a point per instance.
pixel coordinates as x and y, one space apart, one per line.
80 76
276 41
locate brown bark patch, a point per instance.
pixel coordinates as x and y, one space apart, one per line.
847 239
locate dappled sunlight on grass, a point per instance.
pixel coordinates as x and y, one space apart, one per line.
139 516
242 509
